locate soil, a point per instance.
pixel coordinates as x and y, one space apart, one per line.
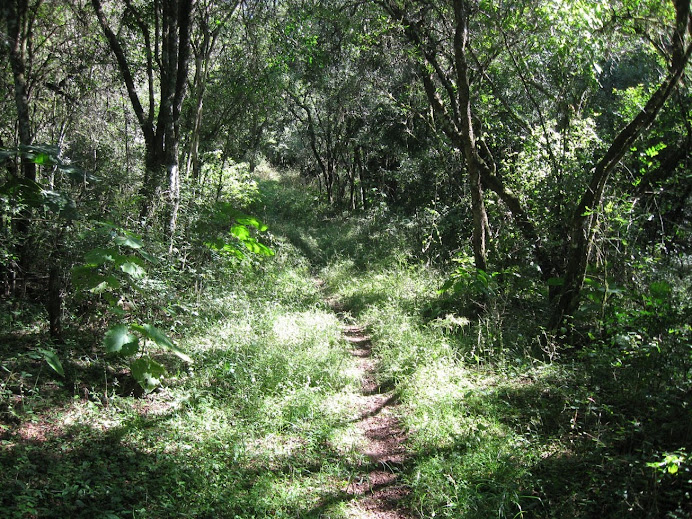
377 487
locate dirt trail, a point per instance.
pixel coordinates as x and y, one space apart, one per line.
377 486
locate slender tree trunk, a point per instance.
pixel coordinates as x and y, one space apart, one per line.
16 14
55 297
173 187
193 164
361 178
172 39
468 139
352 185
583 228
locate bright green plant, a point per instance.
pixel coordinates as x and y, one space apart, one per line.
671 462
239 233
108 272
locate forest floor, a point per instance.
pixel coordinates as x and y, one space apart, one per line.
365 395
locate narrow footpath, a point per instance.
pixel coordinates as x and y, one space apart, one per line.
376 486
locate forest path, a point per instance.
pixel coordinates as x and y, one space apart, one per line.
376 487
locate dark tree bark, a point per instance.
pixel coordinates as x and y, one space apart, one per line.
468 138
454 113
18 17
447 87
203 46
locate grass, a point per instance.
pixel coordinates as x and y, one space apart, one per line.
262 424
259 426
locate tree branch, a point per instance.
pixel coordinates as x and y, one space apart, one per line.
124 68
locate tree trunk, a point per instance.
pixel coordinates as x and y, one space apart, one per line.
16 14
468 140
583 226
193 162
161 139
55 297
361 178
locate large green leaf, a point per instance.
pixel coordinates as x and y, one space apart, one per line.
219 245
25 190
107 283
41 153
100 256
53 361
129 241
149 257
257 248
251 220
241 232
86 278
120 341
133 270
60 203
147 372
161 339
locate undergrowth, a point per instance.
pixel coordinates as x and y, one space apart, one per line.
501 420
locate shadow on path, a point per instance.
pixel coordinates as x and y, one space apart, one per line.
377 487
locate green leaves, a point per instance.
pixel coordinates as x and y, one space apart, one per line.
100 256
29 193
254 222
241 232
104 266
160 339
660 290
128 240
671 462
108 269
147 372
133 270
53 361
556 282
120 341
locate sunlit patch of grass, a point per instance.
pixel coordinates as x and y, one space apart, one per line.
435 396
471 455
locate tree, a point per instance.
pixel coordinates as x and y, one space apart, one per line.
167 55
456 47
443 67
210 20
35 83
582 233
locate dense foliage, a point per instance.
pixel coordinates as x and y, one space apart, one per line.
500 190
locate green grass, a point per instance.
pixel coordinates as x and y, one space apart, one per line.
259 426
262 424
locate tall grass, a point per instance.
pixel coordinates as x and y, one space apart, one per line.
502 423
